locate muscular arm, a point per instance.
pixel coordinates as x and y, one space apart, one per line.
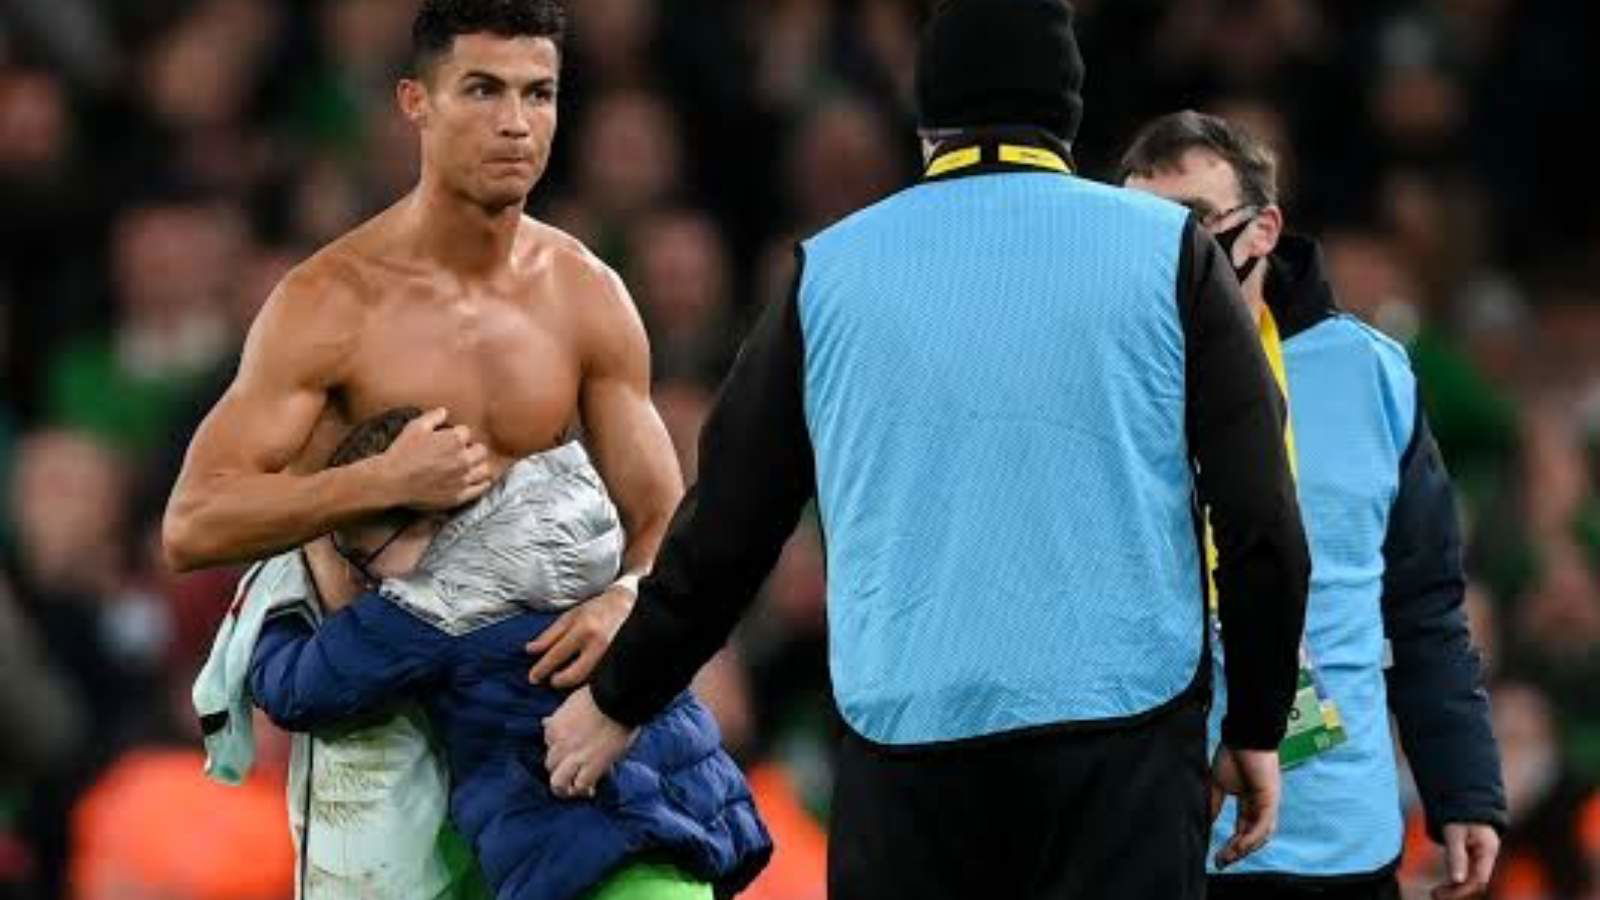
235 499
756 475
630 444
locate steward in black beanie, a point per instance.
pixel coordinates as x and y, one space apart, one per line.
1001 63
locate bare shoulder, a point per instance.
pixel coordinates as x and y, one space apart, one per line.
312 321
339 282
593 292
580 273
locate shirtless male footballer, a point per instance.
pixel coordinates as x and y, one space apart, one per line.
511 333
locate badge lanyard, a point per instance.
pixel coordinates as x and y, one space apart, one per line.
1314 722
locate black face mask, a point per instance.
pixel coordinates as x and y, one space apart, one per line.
1230 237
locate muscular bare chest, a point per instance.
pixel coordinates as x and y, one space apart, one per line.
504 365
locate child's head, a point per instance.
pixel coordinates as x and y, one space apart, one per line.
388 543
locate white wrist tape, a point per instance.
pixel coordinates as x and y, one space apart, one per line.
629 583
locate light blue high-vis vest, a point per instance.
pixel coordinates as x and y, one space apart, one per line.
994 388
1352 400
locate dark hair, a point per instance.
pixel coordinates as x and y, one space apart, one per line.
369 439
1162 143
373 436
439 22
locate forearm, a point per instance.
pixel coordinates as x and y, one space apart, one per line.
232 518
646 528
356 662
756 475
1442 710
288 680
1436 682
1236 428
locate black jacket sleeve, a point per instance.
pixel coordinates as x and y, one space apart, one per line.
756 475
1436 684
1236 427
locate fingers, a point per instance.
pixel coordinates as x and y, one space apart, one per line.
474 455
1250 833
1455 851
472 492
564 777
584 783
552 634
430 420
569 646
1466 891
571 775
1482 851
463 434
581 668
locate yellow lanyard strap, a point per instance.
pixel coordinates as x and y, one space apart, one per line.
1272 346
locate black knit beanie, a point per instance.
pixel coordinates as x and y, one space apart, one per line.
1001 62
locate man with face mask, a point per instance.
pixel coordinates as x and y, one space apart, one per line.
1385 624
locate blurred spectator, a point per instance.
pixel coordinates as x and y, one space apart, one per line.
1417 99
199 78
629 161
43 719
1560 619
70 504
45 724
33 125
70 33
683 406
326 201
889 30
172 263
68 509
612 42
67 495
154 826
45 206
790 42
364 45
679 274
842 159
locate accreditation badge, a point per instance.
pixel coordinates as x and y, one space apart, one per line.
1314 723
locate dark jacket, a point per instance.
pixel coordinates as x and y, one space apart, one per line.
676 795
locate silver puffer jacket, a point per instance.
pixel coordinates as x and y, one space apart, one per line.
545 538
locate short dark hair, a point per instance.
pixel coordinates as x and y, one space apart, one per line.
440 22
371 438
1161 144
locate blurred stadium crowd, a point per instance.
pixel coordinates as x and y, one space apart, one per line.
163 162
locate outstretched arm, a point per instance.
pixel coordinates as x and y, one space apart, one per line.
757 473
635 458
306 677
